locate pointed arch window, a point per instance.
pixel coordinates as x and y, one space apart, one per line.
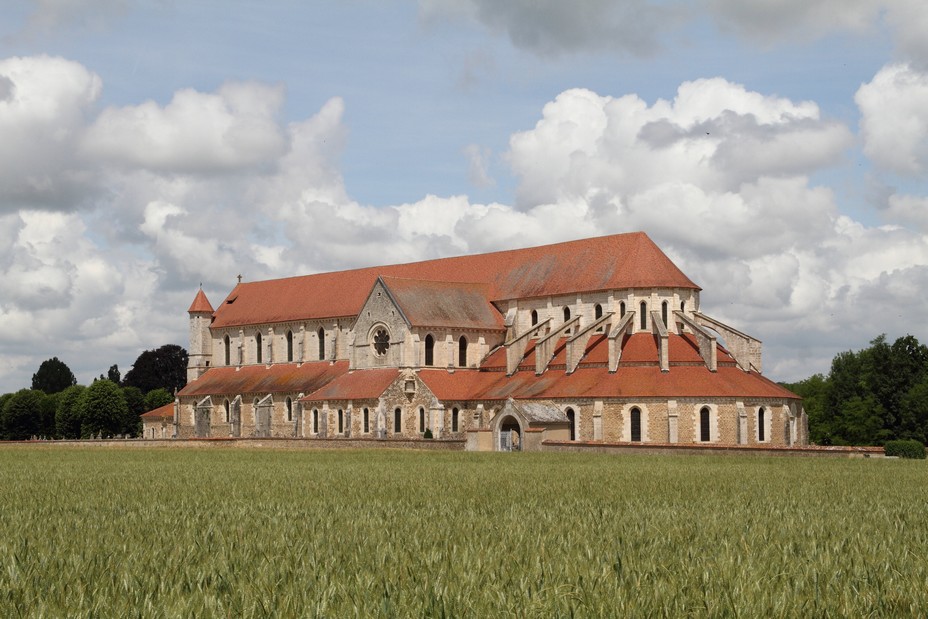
635 423
227 346
367 421
397 420
682 306
258 355
225 408
534 317
290 346
462 351
761 424
454 419
705 424
621 309
664 312
572 420
597 311
321 335
421 420
288 403
644 315
429 350
315 421
341 421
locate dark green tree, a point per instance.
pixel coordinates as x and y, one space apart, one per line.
67 415
164 367
813 392
103 410
53 376
113 374
157 398
135 406
22 415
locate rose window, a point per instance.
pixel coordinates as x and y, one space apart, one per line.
381 342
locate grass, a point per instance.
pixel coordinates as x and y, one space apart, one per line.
253 533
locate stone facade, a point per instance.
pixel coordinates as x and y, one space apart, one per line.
513 358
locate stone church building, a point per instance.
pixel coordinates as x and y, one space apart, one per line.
599 340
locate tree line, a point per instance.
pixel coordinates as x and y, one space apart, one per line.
871 396
57 407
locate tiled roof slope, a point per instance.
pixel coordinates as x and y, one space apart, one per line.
356 385
279 378
200 304
445 304
597 382
162 412
603 263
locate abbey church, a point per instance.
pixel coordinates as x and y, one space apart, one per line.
600 340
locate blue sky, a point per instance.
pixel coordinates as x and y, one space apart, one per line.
777 152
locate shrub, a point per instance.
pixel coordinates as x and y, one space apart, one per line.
427 433
905 449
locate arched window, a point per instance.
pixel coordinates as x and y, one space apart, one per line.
682 306
635 425
429 350
421 420
705 427
397 421
566 314
289 345
321 335
315 421
571 418
597 311
761 414
664 312
227 346
367 421
258 354
288 403
454 420
534 317
225 407
341 421
621 309
462 352
644 315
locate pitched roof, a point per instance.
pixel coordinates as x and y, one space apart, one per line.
613 262
279 378
356 385
597 382
444 304
159 413
200 304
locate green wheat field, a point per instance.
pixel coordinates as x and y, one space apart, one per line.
270 533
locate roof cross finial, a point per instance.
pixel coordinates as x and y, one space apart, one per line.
240 278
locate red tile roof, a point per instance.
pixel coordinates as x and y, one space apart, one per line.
596 382
356 385
445 304
162 412
279 378
604 263
200 304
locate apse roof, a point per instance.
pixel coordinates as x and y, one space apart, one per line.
630 260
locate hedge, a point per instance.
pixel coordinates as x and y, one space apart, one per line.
905 449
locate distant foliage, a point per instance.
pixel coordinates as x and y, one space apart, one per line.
103 410
869 397
157 398
905 449
67 416
164 367
21 418
53 376
135 406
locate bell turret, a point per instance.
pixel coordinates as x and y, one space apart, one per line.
200 350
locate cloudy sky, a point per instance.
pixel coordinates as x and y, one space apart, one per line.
777 151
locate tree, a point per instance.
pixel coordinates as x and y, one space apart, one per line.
135 406
22 415
813 392
157 398
53 376
67 416
103 409
165 367
112 374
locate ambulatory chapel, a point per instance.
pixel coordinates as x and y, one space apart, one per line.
600 340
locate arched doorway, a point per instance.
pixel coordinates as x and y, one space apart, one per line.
510 434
